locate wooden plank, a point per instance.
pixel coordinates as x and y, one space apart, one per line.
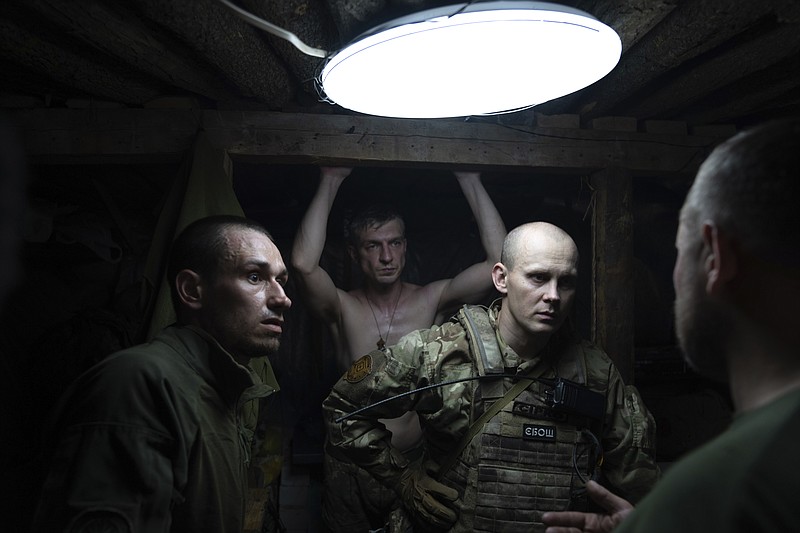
558 121
676 127
612 268
70 66
375 141
690 30
231 45
53 135
612 123
734 63
63 136
631 19
769 89
117 31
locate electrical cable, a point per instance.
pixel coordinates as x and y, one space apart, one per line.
260 23
442 384
596 451
565 396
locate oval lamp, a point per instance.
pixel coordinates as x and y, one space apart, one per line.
471 59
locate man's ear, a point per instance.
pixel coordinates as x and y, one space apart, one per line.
352 251
720 262
500 278
190 289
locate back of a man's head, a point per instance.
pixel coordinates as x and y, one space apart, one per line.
202 247
750 186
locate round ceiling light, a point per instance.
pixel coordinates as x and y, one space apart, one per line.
474 59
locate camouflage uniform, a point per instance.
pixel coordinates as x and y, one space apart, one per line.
353 500
528 458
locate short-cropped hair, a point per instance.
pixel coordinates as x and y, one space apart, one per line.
202 247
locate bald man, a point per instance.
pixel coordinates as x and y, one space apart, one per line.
517 413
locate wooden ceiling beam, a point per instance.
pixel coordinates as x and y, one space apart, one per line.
52 59
232 46
117 31
726 68
631 19
693 28
63 136
763 89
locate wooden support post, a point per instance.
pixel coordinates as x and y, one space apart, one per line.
612 268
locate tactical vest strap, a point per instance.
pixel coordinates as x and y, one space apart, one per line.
482 340
477 426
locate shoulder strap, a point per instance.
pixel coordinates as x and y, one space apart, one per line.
477 426
482 339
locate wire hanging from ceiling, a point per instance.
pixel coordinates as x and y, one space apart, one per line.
258 22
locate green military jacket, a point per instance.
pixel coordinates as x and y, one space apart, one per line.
154 438
625 430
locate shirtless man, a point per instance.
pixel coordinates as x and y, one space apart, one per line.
378 314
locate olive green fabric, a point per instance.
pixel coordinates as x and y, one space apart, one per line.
204 187
743 481
152 439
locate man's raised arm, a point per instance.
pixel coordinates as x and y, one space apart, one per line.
474 282
322 296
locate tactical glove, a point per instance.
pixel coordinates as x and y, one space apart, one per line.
426 499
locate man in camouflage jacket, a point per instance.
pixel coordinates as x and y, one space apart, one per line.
517 414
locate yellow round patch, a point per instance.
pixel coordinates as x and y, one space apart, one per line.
360 369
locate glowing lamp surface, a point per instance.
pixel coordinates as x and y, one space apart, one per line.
490 57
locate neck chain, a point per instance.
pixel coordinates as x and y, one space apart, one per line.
381 342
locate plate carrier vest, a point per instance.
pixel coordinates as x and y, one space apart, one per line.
534 455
